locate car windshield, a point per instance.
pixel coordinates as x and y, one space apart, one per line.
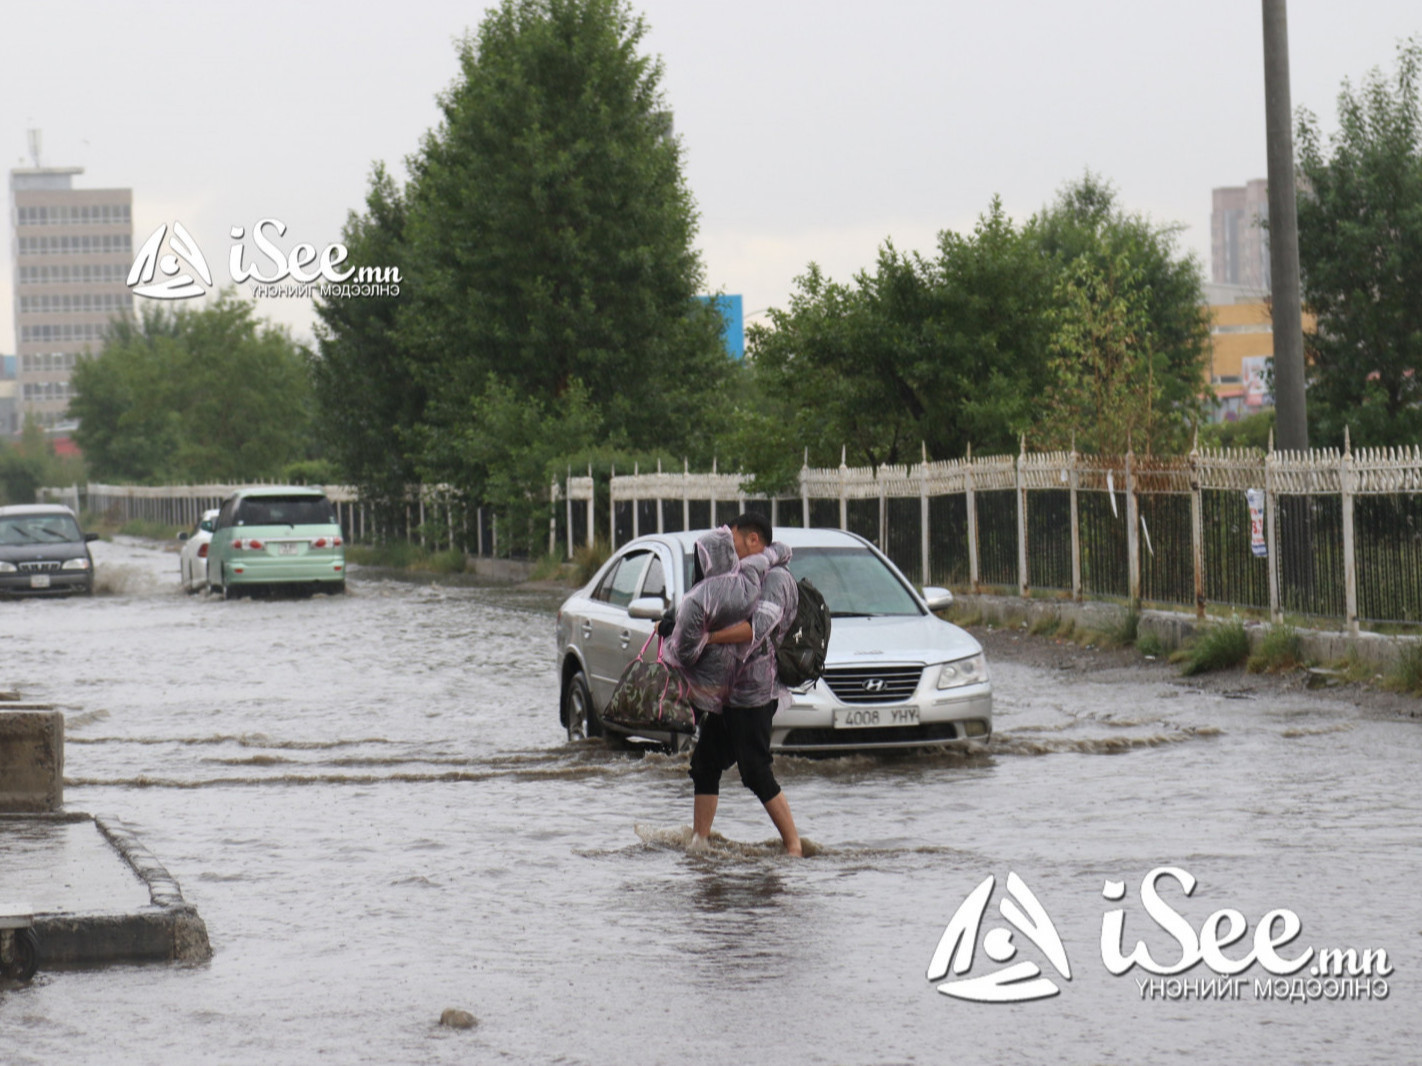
38 529
853 581
286 511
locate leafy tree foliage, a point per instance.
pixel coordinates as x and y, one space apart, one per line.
1082 324
193 395
1128 319
1360 251
29 462
368 398
545 238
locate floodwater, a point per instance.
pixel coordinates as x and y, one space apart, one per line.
371 803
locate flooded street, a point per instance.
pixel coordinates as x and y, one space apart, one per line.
371 803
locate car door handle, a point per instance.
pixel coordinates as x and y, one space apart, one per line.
625 637
587 629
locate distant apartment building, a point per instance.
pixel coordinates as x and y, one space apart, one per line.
1241 349
71 253
1239 244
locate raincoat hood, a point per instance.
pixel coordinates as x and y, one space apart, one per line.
716 552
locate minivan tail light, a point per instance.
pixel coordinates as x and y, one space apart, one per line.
335 542
236 545
319 542
255 545
202 551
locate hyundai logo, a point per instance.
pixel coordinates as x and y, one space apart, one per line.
874 684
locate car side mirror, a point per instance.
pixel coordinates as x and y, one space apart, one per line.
88 537
183 535
648 607
937 598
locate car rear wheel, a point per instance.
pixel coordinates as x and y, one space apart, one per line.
680 742
578 708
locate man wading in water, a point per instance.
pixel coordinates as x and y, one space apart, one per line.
724 640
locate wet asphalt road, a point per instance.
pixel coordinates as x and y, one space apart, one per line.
370 801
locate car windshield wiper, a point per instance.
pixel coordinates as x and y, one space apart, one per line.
55 535
852 614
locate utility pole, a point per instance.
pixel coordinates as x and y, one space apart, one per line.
1289 400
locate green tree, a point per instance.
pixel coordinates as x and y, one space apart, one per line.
1360 254
1046 329
30 462
369 401
548 241
193 395
1128 315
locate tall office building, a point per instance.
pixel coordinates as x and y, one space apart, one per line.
1239 245
71 253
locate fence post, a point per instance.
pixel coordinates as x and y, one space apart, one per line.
570 512
592 507
1272 532
1074 482
713 493
1133 533
923 510
805 491
883 513
1022 586
479 523
636 472
612 509
1197 528
552 519
685 494
1350 562
661 522
970 498
843 481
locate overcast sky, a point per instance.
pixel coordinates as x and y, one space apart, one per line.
812 131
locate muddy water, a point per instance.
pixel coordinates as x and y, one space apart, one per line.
370 801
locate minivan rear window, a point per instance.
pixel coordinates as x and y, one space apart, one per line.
285 511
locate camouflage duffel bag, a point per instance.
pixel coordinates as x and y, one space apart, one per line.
650 695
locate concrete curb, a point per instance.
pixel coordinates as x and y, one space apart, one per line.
1174 628
169 930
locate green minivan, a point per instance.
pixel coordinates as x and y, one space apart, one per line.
271 536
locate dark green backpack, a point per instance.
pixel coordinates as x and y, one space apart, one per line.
801 658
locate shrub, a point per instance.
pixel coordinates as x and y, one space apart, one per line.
1149 644
1217 648
588 560
1406 673
1281 649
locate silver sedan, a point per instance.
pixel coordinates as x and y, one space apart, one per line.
896 675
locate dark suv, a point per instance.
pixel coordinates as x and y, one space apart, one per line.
43 552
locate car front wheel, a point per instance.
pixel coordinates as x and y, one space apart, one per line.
578 707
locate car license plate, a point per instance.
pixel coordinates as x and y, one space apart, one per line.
287 548
871 717
39 581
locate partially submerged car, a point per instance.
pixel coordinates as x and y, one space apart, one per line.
273 536
192 560
896 675
43 552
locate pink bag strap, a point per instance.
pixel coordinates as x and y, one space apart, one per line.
650 635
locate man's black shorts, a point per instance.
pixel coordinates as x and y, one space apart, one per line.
738 736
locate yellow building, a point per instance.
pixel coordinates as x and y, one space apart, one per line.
1241 347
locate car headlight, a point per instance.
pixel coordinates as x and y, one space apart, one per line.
7 568
969 671
80 563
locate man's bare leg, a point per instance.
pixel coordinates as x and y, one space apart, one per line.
703 814
778 807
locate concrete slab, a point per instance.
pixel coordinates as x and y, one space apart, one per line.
97 895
